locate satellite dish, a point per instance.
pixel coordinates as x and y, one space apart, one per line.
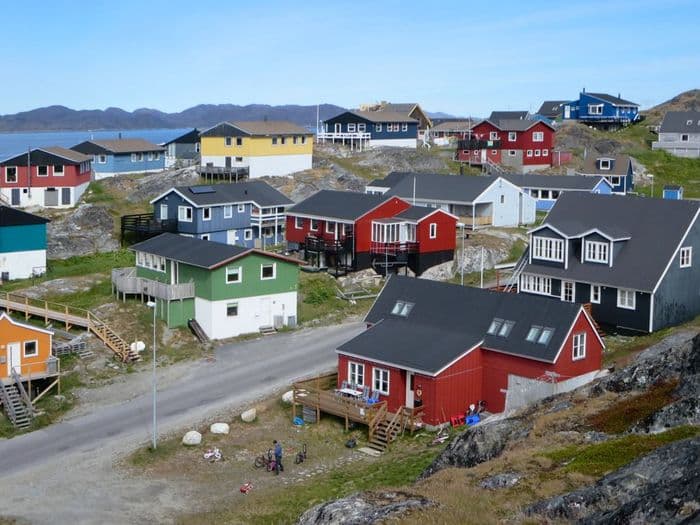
138 346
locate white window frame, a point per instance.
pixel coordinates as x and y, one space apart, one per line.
361 127
538 152
596 290
529 153
686 257
536 284
163 208
239 141
331 227
232 305
511 153
380 378
623 299
377 128
538 136
274 271
38 171
137 157
404 127
206 213
548 249
493 135
248 234
151 156
313 225
356 373
545 152
184 217
228 211
205 237
35 353
298 223
16 174
274 141
597 252
512 136
352 127
62 171
433 230
595 109
605 164
234 270
685 137
241 208
578 347
102 159
571 285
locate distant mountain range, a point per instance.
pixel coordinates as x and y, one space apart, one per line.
61 118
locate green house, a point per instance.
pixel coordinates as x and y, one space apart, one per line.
228 290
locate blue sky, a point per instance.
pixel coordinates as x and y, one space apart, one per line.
461 57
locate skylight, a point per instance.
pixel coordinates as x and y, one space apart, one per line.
533 334
506 328
494 327
540 335
500 327
545 336
402 308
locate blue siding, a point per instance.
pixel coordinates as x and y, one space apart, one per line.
122 163
22 238
579 110
377 131
673 194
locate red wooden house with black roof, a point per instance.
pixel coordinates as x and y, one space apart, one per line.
350 231
444 346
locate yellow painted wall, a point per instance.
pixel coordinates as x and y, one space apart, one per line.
255 147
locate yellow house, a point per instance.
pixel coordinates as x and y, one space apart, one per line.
264 147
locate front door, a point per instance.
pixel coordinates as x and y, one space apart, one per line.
338 127
409 389
232 237
567 112
15 197
163 212
228 162
65 196
265 313
14 359
483 156
50 197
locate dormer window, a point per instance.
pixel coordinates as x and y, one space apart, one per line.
402 308
605 164
548 249
597 251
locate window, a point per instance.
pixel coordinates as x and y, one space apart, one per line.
579 350
615 181
538 136
529 153
597 251
604 164
303 139
502 199
433 230
205 237
381 380
404 127
298 223
567 291
283 140
137 157
228 211
595 109
536 284
42 171
163 212
11 174
545 336
151 156
156 155
512 136
268 271
274 141
247 234
352 127
533 334
547 248
356 373
314 225
234 274
58 170
688 122
330 227
493 135
241 208
206 214
402 308
554 194
504 328
377 127
626 299
511 153
362 127
227 141
686 257
231 309
239 141
595 293
494 326
31 349
684 137
102 159
295 139
184 213
538 152
535 193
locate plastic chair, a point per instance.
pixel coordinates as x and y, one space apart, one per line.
365 393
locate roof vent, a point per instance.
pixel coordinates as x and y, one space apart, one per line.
198 190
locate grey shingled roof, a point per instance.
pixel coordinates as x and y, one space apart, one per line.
416 213
615 101
553 182
124 145
655 228
443 188
258 192
508 115
446 320
333 204
383 116
619 167
67 154
551 108
263 128
453 125
14 217
677 122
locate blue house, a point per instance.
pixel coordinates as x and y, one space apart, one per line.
617 169
250 214
601 110
122 156
369 129
546 189
673 192
22 244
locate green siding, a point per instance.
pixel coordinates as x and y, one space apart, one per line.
180 312
23 238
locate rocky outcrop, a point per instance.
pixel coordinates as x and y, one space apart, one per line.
661 487
501 481
364 508
88 229
480 443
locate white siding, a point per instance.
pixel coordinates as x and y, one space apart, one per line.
21 265
507 214
396 143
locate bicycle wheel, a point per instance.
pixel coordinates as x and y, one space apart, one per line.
259 462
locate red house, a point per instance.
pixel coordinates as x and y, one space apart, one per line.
444 347
50 177
525 145
350 231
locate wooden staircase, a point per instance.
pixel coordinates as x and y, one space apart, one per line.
111 340
386 428
198 331
17 412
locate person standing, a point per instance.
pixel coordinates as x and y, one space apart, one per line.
278 457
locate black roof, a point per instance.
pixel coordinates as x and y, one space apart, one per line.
256 191
554 182
343 205
615 101
680 122
446 320
48 155
189 137
507 115
189 250
672 187
416 213
551 108
653 228
437 187
390 180
14 217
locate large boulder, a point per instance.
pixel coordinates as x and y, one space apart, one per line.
192 438
364 508
249 415
85 230
219 428
661 487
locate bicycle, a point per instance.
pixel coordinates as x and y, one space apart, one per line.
442 436
267 461
213 454
301 455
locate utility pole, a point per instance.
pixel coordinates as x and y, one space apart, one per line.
482 267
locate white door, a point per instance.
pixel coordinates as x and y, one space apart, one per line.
567 112
338 127
483 156
232 237
409 389
264 314
174 272
163 212
14 358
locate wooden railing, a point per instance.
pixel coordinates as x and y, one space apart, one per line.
393 248
22 392
125 281
471 221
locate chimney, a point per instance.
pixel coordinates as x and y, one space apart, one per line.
584 89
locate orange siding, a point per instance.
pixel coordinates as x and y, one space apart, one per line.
18 333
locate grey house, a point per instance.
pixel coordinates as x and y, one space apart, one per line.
631 258
679 134
183 148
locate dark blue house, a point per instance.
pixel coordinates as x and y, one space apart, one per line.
368 129
601 110
250 214
617 169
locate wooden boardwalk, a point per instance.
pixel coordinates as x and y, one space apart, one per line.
69 316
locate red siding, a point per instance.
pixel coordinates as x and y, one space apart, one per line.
446 233
397 380
523 142
363 226
72 177
295 234
454 389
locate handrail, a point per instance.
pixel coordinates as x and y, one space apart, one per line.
22 392
6 401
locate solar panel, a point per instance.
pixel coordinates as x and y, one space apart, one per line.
201 189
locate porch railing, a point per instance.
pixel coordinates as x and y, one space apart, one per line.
393 248
125 281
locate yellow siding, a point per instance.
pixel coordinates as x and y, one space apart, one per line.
255 147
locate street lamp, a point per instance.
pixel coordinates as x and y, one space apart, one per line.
154 305
652 183
461 259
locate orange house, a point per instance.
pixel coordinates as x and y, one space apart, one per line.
25 348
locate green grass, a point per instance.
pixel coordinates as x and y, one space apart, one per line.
668 169
516 251
600 458
318 299
146 456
